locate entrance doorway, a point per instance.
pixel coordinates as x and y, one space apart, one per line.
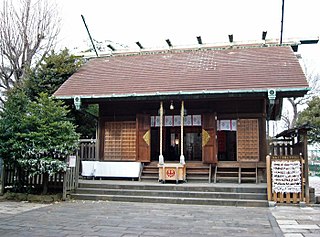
227 145
192 144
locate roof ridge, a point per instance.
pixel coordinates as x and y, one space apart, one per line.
195 49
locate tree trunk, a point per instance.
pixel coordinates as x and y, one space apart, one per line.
295 112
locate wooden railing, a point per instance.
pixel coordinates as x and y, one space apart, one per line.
281 147
71 176
285 147
16 178
88 150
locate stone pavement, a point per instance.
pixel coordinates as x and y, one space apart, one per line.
298 221
138 219
87 218
13 208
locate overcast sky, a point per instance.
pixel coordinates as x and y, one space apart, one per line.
153 21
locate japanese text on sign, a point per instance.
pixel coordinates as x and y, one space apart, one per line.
286 176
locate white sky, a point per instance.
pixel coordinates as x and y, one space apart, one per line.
153 21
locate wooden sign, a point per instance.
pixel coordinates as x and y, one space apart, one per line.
72 161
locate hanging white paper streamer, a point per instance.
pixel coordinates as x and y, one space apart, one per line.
175 120
227 125
196 120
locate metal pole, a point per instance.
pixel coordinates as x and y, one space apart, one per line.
161 158
281 33
94 47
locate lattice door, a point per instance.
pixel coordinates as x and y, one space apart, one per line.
248 140
120 141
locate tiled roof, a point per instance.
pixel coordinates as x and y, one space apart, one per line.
187 71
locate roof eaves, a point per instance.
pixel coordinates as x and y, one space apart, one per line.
185 93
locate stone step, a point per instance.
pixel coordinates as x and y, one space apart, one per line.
183 193
181 187
148 177
179 194
173 200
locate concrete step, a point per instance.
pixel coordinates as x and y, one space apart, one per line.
149 177
166 193
183 193
181 187
173 200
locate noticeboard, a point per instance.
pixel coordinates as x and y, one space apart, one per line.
286 176
72 161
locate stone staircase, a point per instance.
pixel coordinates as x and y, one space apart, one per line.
186 193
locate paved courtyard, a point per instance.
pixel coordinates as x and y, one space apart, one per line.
83 218
87 218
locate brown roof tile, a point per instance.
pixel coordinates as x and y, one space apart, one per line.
188 71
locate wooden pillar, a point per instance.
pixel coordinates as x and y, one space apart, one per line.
269 180
161 158
182 159
102 134
264 144
97 150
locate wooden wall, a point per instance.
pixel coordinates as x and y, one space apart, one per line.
122 117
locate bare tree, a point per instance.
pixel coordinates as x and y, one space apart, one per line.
28 31
290 115
290 118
